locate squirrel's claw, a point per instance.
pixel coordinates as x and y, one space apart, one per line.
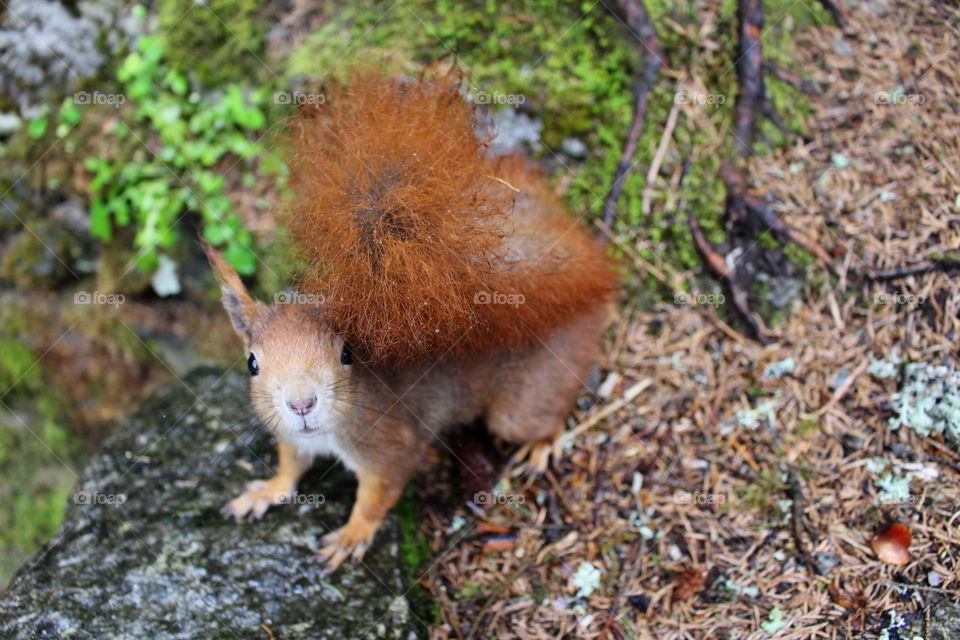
257 497
532 459
342 544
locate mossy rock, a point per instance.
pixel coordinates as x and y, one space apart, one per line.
144 552
44 254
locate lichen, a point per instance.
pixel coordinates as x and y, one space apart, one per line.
777 370
894 489
46 49
586 579
928 401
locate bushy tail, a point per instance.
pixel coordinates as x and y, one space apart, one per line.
416 237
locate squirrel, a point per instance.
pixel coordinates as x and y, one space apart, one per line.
445 285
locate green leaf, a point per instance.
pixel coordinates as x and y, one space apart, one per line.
177 82
216 234
37 128
241 258
121 211
69 114
131 67
99 220
247 117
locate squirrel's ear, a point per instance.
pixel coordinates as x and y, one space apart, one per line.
242 309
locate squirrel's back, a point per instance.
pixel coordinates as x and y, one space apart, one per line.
421 242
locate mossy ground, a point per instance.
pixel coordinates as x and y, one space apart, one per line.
37 451
415 552
573 66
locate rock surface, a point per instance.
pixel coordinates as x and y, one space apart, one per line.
143 551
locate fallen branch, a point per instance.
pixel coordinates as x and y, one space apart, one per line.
725 274
637 20
787 234
795 493
751 92
735 211
916 270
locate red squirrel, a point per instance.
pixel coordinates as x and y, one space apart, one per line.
454 286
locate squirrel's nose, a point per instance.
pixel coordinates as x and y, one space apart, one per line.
302 406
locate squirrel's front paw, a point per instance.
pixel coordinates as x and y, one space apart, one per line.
257 497
346 542
533 459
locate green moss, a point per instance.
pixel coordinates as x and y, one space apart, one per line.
414 554
36 451
16 364
474 591
218 41
37 456
38 257
762 494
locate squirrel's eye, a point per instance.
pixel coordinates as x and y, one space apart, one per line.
252 365
346 356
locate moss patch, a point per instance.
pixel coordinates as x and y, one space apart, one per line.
414 554
218 41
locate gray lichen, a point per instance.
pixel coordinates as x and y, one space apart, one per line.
929 401
46 48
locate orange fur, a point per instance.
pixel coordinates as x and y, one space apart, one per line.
406 226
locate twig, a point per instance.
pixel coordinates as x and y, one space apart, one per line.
628 396
637 20
495 596
671 281
751 90
795 493
723 272
752 94
735 211
787 234
844 387
658 156
916 270
787 77
837 11
920 587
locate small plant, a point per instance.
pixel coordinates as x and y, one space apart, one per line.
179 141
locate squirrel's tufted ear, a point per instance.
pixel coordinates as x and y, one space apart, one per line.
242 309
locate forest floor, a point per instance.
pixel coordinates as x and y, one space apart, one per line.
720 488
710 486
